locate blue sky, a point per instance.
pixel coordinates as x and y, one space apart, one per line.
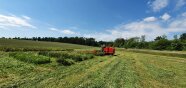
101 19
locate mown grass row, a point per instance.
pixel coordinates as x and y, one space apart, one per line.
16 74
67 58
43 57
30 58
159 71
126 70
11 49
94 52
163 53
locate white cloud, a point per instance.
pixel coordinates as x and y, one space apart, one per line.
178 25
134 29
68 31
180 3
101 36
53 29
165 17
7 21
26 17
157 5
2 27
64 31
150 19
138 28
184 14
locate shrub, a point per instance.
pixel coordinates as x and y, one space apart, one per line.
30 58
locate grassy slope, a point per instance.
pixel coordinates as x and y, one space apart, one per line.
158 51
126 70
181 54
38 44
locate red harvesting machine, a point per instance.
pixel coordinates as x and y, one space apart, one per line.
108 50
105 50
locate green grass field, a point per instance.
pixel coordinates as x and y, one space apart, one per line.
181 54
128 69
125 70
18 45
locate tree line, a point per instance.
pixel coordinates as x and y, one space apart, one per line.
159 43
72 40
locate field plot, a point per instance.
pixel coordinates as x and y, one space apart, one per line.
181 54
125 70
27 45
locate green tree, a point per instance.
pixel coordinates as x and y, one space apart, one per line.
132 42
119 42
160 37
142 38
183 36
175 37
177 45
162 44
